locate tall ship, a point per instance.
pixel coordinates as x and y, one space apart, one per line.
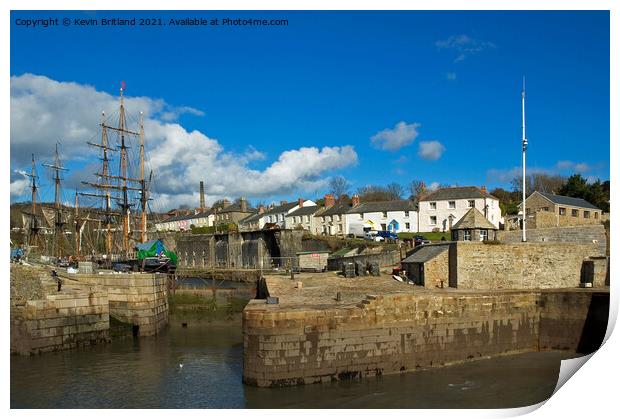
109 221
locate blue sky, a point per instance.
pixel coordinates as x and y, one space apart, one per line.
336 79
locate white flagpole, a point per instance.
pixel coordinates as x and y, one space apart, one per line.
524 144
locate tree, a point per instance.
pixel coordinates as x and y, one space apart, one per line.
339 186
508 201
416 189
594 193
538 182
395 190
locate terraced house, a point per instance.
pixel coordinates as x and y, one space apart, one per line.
395 216
549 210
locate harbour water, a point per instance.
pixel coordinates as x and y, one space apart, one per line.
200 366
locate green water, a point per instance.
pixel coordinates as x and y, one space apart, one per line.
147 373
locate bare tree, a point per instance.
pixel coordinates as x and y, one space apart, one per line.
395 191
339 186
416 188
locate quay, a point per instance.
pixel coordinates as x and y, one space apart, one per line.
327 328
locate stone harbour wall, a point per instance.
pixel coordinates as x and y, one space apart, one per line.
138 299
520 265
575 234
404 332
60 321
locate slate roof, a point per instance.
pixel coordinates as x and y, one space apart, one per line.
473 219
460 192
236 207
425 253
381 206
565 200
182 217
281 208
250 218
304 211
334 209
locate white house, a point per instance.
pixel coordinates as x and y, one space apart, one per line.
276 215
396 216
183 222
442 208
303 218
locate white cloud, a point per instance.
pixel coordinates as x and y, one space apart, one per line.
44 110
19 185
572 166
394 139
431 150
464 46
433 186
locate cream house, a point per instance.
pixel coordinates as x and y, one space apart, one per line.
441 209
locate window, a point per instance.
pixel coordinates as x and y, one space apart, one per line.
471 203
433 205
546 209
406 213
383 227
340 228
467 235
294 220
562 211
433 220
484 235
336 217
574 213
322 219
596 215
586 214
451 204
407 226
384 214
307 218
281 217
329 218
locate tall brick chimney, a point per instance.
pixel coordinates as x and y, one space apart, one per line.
300 202
330 201
483 189
202 195
355 200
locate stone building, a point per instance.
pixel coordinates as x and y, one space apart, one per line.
331 220
443 207
275 215
428 265
232 213
474 226
548 210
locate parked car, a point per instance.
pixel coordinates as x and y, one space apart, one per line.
372 235
418 240
387 235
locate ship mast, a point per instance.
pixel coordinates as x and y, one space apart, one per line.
34 229
77 226
58 222
143 193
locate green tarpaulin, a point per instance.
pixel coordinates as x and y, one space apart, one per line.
154 248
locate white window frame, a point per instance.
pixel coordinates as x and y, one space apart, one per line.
432 206
431 221
451 204
471 203
467 235
484 235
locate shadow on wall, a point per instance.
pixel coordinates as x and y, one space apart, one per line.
595 325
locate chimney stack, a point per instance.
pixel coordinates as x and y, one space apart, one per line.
483 189
261 209
283 202
226 203
355 200
202 195
300 202
243 204
330 201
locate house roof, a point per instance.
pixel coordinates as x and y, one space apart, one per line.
381 206
566 200
182 217
250 218
460 192
473 219
304 211
236 207
425 253
281 208
334 209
